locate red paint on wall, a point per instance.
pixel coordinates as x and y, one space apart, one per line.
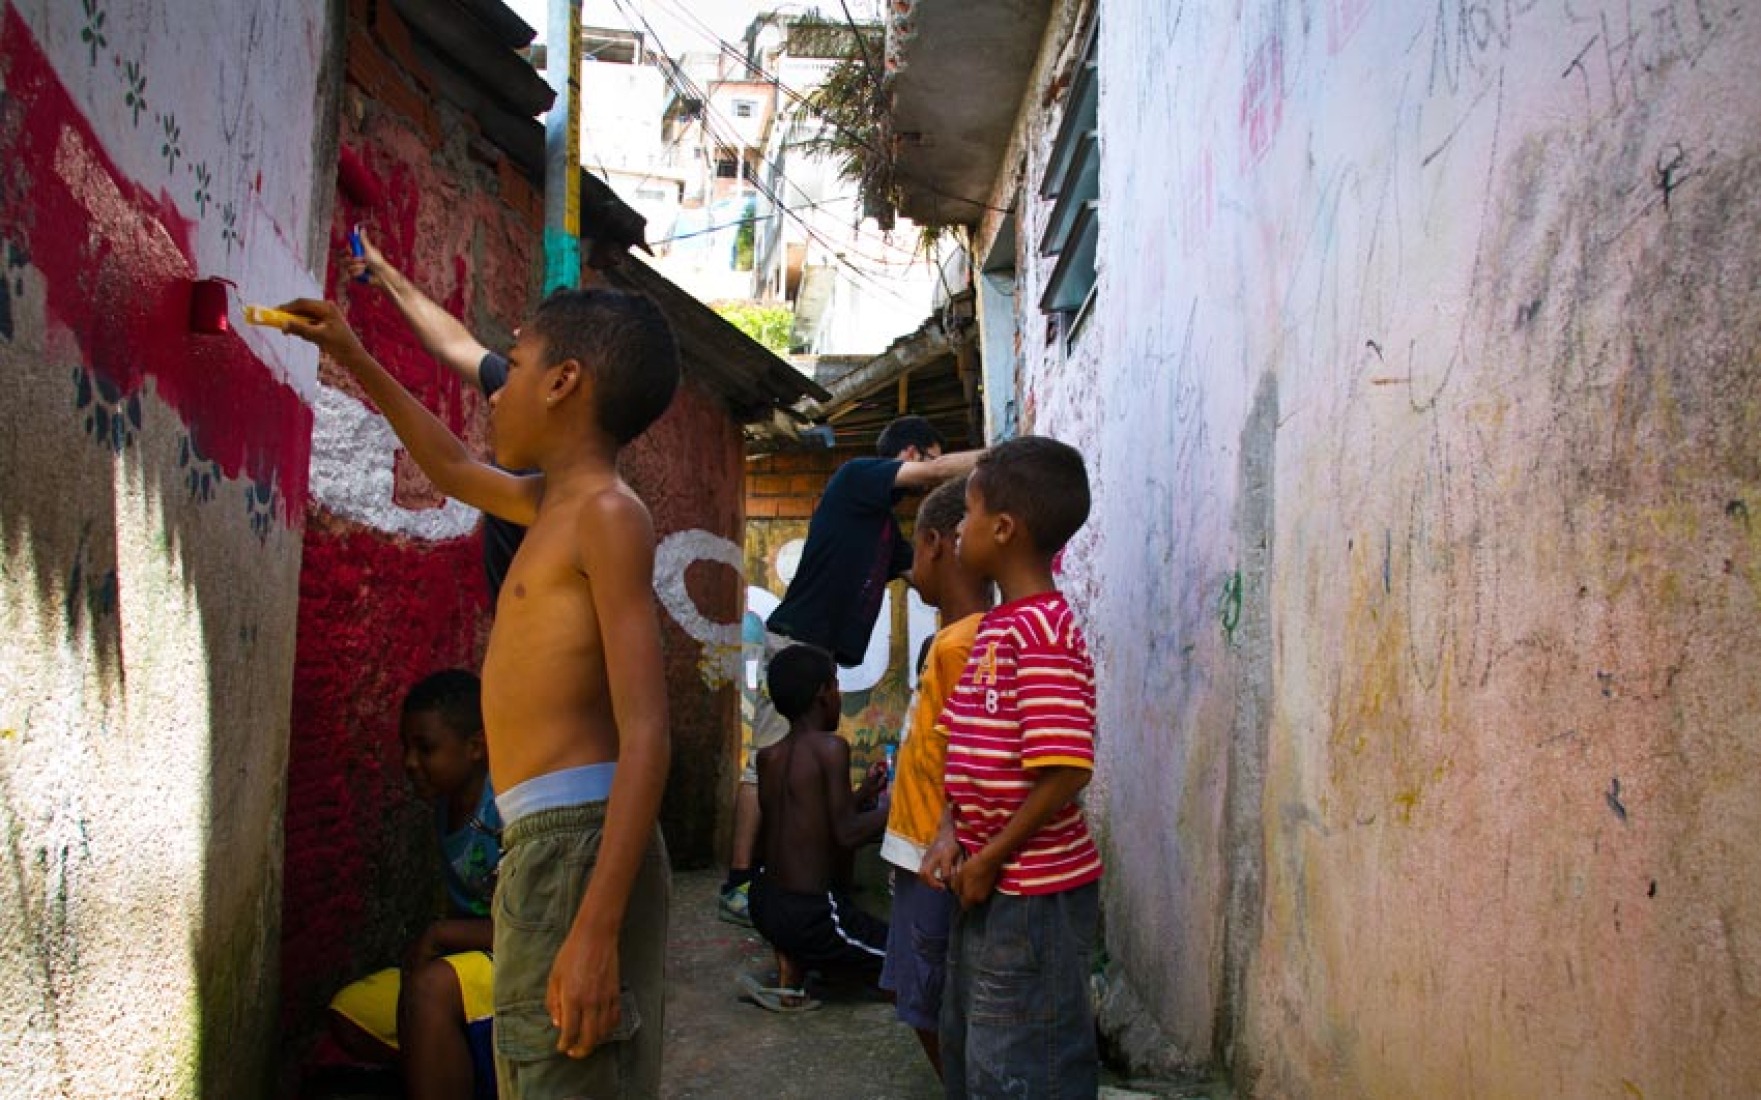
376 615
116 262
378 612
688 468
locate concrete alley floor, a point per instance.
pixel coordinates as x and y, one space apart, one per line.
720 1046
853 1048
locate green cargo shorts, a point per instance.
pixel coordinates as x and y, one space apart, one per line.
546 862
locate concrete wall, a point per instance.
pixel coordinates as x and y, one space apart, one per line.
1421 404
152 490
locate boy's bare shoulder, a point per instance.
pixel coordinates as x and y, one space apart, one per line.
612 521
830 746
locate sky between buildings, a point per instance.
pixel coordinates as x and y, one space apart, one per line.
685 26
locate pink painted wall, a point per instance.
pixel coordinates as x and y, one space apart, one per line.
1421 403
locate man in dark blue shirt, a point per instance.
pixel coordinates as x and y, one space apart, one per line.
854 548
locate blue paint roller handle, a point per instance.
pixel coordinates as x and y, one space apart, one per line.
359 252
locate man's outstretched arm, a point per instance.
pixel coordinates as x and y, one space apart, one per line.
442 335
925 473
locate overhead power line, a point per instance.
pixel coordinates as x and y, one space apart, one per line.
687 88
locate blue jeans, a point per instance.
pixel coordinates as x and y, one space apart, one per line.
1016 1018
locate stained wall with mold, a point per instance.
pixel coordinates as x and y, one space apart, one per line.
152 492
1420 397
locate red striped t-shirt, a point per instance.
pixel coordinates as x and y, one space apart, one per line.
1026 700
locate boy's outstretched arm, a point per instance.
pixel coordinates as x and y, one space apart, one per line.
615 536
850 828
1053 788
442 335
441 455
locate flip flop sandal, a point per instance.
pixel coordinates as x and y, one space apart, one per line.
776 998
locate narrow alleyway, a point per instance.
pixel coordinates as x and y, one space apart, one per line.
721 1047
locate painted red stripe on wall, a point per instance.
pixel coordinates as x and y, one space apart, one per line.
117 264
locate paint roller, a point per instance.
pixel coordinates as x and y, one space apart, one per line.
359 186
363 191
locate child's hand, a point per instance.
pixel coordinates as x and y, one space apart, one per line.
322 323
583 992
941 862
873 782
975 880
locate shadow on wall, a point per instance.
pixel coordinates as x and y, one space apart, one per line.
149 484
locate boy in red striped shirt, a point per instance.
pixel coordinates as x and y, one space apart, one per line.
1014 847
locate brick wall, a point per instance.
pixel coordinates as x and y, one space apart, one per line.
787 485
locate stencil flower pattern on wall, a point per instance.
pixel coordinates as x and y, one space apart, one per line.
204 188
200 473
111 418
229 228
134 83
92 34
260 500
172 147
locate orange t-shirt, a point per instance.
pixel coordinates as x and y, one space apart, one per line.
916 811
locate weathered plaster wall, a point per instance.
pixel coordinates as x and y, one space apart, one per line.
152 484
688 468
1421 575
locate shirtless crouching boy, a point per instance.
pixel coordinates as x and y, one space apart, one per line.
574 692
808 824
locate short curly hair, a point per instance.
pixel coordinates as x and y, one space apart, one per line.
908 431
1041 482
455 695
795 676
625 341
944 507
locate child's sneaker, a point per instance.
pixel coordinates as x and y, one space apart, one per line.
735 905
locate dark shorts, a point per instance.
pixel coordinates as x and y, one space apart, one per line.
547 860
917 950
819 931
1016 1019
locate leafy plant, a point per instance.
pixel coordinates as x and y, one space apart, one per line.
770 325
858 134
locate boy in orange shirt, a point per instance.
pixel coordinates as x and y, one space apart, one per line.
917 944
